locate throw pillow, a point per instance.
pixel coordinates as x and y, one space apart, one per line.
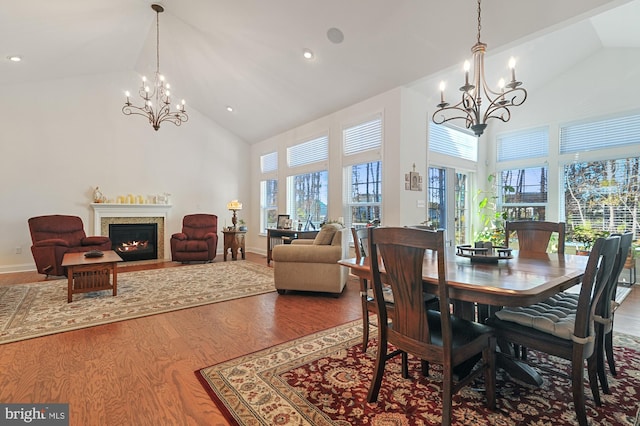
325 236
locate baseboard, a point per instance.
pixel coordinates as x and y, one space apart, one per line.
27 267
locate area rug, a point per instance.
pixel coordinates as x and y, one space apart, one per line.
323 379
38 309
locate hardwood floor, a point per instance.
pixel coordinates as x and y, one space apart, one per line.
141 371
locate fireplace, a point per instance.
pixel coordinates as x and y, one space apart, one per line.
134 241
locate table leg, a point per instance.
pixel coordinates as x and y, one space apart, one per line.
114 269
69 284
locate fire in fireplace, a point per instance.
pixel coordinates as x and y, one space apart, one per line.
134 241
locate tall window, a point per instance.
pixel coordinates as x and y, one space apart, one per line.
308 191
268 191
524 193
602 195
455 152
362 173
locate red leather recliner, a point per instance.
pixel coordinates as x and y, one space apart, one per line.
54 235
198 240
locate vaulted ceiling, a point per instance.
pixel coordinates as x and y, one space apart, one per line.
248 53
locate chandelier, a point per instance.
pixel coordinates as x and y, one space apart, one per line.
156 95
470 106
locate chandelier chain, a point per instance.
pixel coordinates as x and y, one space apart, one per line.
479 21
157 42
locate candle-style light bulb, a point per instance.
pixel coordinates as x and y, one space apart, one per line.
512 65
467 67
442 87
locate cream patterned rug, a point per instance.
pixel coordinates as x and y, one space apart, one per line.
39 309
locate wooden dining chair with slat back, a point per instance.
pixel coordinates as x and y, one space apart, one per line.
565 332
605 313
534 235
361 247
431 336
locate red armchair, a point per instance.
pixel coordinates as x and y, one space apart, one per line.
54 235
198 240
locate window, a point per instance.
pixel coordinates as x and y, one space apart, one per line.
602 194
363 173
364 193
308 192
524 193
447 184
521 145
307 199
268 204
452 142
268 191
446 210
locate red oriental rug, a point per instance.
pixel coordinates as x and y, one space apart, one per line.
323 379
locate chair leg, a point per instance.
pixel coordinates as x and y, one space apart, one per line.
592 369
405 365
447 394
599 355
425 367
381 358
608 345
577 384
489 365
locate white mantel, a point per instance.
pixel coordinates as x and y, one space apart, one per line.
104 210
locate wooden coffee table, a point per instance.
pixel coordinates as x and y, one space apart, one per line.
87 274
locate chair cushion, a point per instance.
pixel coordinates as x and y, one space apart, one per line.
554 316
325 236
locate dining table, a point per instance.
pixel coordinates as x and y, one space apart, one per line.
521 280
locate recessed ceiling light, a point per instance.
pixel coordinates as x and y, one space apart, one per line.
14 58
229 108
307 53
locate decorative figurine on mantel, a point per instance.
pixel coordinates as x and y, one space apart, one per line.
98 197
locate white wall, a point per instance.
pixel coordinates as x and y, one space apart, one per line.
404 143
59 139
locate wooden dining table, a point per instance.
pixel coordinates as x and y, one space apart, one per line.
525 279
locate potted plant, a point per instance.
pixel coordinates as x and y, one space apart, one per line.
242 226
491 219
586 236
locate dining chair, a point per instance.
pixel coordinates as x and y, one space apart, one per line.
361 246
534 235
565 332
432 336
605 311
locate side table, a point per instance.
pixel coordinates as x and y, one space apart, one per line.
234 241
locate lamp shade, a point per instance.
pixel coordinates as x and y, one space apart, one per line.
234 205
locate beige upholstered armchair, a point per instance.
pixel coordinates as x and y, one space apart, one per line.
311 265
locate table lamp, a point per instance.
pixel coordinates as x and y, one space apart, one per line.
234 206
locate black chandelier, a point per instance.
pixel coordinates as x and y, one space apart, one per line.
470 106
156 96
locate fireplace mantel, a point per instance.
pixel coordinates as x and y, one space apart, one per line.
104 210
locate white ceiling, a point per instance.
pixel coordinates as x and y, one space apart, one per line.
248 53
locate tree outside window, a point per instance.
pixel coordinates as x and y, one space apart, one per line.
308 198
602 196
364 183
